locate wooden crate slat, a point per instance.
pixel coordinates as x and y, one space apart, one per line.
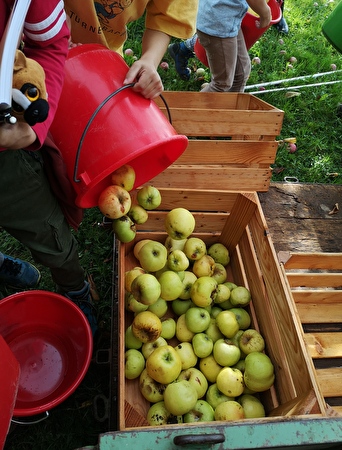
327 261
324 345
316 313
315 280
330 381
320 297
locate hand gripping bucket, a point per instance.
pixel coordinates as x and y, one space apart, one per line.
332 28
99 125
250 31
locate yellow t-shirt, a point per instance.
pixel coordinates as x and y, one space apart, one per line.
105 21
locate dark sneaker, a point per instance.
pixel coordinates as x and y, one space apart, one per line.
18 274
181 55
282 26
83 300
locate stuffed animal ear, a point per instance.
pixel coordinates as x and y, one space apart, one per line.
20 61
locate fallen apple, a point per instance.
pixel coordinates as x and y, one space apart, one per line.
114 202
196 378
171 285
150 388
220 253
227 323
134 363
203 291
243 317
146 289
137 214
146 326
251 341
180 306
152 256
179 223
180 397
164 364
188 281
159 308
177 260
204 266
158 415
225 352
201 412
259 372
230 381
132 304
124 228
194 248
124 176
214 396
210 368
149 347
220 273
168 328
229 410
149 197
252 406
186 354
174 244
138 246
240 296
183 334
197 319
130 340
130 275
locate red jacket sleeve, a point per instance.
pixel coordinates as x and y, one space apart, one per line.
46 36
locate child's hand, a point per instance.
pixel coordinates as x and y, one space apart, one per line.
146 78
265 18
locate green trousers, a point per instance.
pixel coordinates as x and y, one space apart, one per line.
30 212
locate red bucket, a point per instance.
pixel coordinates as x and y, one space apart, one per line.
125 129
250 31
51 339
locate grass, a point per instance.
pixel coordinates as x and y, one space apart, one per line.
310 117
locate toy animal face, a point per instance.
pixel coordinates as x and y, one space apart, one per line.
29 96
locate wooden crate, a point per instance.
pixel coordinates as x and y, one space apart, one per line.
315 282
235 219
231 141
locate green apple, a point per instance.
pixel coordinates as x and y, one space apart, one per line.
194 248
138 246
168 328
225 352
146 326
124 176
137 214
196 378
259 372
188 281
243 317
215 309
130 275
132 304
202 345
202 412
164 364
210 368
220 273
204 266
223 293
252 406
240 365
174 244
114 202
227 323
226 304
146 288
220 253
180 397
151 390
159 308
152 256
228 411
179 223
251 341
230 381
236 340
124 228
158 415
149 197
231 285
170 284
180 306
183 334
214 396
177 260
197 319
186 354
134 363
149 347
213 331
203 291
240 296
130 340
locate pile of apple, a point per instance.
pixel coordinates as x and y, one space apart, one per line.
190 342
115 202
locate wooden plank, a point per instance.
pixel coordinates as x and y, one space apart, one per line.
323 297
317 313
330 381
324 345
318 260
315 280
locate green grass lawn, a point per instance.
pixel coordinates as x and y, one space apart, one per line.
310 117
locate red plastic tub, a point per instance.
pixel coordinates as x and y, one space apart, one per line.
124 128
51 339
250 31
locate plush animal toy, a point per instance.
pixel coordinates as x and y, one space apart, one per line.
29 96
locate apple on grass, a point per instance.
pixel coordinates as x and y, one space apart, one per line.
225 352
220 253
183 334
229 410
210 368
194 248
124 228
252 406
146 326
196 378
230 381
186 354
114 202
177 260
204 266
137 214
124 176
168 328
227 323
146 289
151 390
202 412
214 396
152 256
164 364
158 415
180 397
149 197
202 345
134 363
203 291
251 341
179 223
149 347
197 319
171 285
